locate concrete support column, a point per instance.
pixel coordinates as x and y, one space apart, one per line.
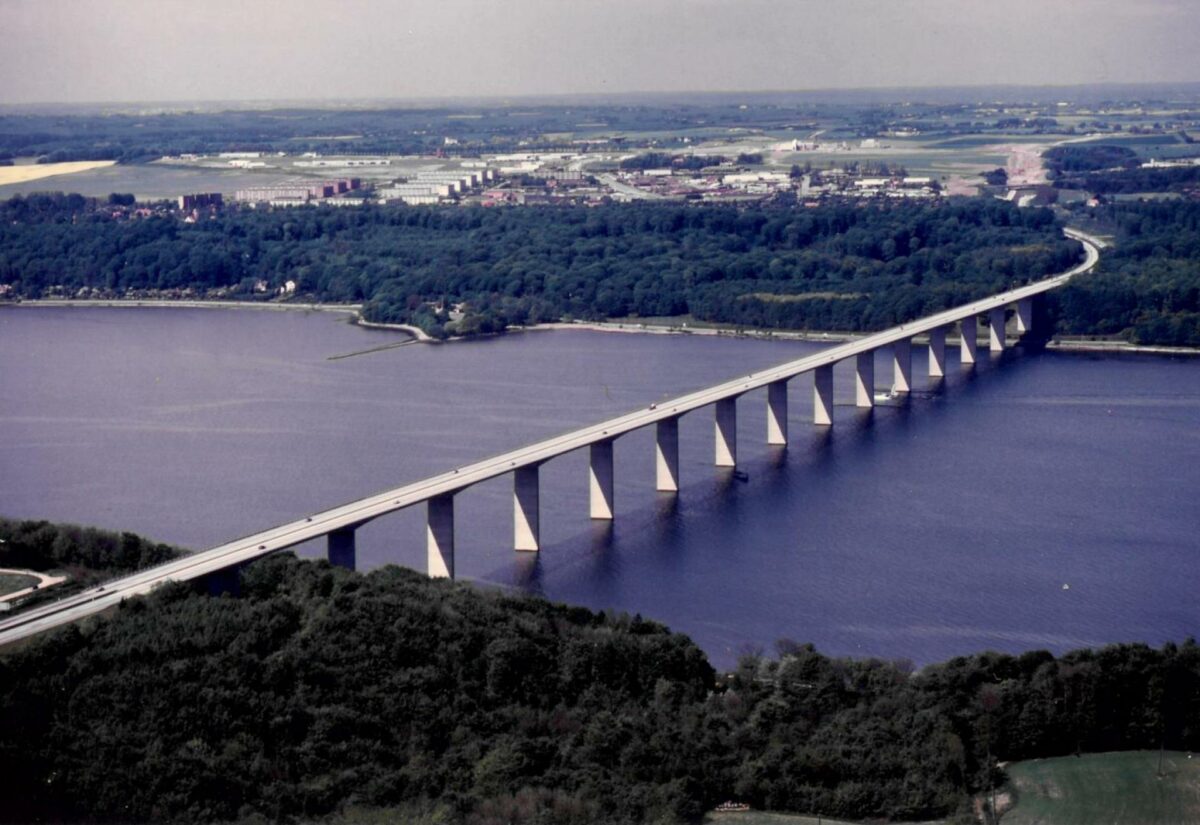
996 339
600 479
227 580
777 412
439 534
969 346
902 365
726 432
340 548
525 508
937 352
1025 315
864 379
823 395
666 455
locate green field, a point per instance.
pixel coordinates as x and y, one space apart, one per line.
15 581
763 818
1106 789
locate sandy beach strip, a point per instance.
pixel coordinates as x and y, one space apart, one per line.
37 171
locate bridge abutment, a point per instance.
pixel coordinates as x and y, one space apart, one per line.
1025 315
996 335
777 412
823 395
666 455
937 352
227 580
726 432
439 532
902 365
864 379
340 548
600 479
526 522
969 344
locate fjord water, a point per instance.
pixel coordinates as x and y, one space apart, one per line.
1040 500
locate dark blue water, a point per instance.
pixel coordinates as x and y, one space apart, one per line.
944 526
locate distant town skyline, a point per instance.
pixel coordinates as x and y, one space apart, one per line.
74 51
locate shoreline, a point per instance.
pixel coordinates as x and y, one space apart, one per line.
139 303
1065 344
173 303
1070 344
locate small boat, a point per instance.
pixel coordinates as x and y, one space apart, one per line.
741 476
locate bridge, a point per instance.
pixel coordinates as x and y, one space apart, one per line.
338 524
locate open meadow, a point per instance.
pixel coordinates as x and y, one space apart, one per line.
1122 788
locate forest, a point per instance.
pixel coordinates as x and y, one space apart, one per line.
87 555
833 268
320 690
836 267
1133 181
1088 157
1147 285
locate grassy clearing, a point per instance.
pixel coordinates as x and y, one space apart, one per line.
777 298
764 818
1106 788
24 174
10 582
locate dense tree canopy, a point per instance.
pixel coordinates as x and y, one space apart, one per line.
86 555
1139 180
320 688
845 267
1088 157
1147 285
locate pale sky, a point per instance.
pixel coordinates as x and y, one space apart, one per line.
178 50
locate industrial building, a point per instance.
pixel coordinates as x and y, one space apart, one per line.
201 199
302 191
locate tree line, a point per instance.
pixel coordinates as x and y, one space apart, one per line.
838 266
87 555
1087 157
1134 181
320 690
1146 287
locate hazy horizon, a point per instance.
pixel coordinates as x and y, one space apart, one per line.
169 51
932 93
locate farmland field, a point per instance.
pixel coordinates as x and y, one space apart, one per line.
1119 788
23 173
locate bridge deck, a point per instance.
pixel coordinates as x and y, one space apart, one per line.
255 546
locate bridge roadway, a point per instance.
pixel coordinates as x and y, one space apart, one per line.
348 516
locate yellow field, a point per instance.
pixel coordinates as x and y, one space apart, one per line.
21 174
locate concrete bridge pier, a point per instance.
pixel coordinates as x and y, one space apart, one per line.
1025 315
439 535
340 548
968 348
996 337
777 412
937 353
902 365
666 455
600 479
823 395
726 432
526 523
864 379
227 580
